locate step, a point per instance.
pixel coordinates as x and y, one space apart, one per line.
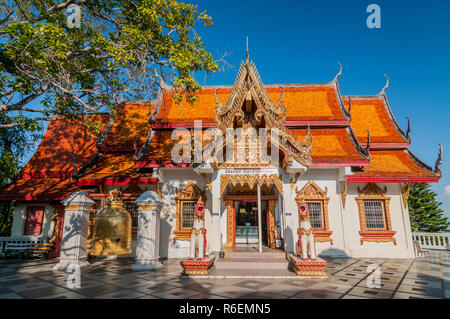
252 263
244 254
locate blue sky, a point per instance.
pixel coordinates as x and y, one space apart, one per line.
301 42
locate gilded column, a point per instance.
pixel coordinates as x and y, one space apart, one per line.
231 227
271 222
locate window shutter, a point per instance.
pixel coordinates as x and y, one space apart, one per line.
35 217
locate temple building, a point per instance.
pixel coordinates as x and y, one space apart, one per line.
344 156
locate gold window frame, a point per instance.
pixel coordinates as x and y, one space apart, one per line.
189 193
372 192
312 192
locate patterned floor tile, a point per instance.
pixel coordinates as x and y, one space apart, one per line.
420 278
207 296
252 284
154 288
405 295
373 293
10 295
316 294
177 293
341 289
262 295
230 291
420 290
121 294
284 290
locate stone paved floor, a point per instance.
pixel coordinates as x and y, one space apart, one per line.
427 277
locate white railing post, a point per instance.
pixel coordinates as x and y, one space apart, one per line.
437 241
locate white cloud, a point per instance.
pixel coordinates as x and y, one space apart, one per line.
447 190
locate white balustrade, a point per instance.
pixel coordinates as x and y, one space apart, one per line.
435 241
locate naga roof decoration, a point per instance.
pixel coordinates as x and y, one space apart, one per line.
248 89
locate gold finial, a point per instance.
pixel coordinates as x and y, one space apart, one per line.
114 198
248 58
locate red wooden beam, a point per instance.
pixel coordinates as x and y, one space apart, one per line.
392 179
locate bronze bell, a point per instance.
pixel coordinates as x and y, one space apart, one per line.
112 229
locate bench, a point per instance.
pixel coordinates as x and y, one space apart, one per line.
27 248
21 249
42 250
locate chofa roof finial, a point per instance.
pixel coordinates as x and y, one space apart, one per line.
74 166
408 130
368 141
437 170
383 91
218 104
339 73
246 51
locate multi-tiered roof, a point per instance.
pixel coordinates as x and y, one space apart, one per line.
348 131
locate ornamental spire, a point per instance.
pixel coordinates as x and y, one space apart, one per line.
247 55
437 170
383 91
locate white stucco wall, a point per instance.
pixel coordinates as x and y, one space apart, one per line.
20 216
174 179
344 222
399 220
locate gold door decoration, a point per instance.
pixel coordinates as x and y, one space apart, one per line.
312 192
231 224
373 192
271 223
244 192
251 181
191 193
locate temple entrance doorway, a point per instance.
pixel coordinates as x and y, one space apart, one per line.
243 228
247 222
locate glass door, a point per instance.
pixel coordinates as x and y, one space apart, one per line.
247 221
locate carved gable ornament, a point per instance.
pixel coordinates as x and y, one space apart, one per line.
372 190
190 192
311 191
249 91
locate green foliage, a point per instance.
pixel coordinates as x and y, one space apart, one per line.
424 210
120 51
6 217
14 144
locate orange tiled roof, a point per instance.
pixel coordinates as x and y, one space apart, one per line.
394 163
331 145
131 120
113 167
38 189
54 153
372 114
312 103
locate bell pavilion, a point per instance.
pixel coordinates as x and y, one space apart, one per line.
346 157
